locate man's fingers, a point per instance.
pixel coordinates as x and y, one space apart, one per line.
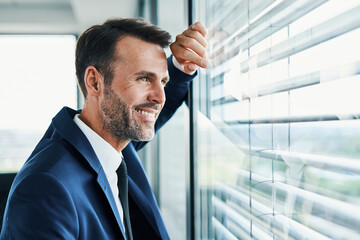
196 36
189 49
186 55
199 27
190 67
191 43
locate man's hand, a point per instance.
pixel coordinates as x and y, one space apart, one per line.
189 49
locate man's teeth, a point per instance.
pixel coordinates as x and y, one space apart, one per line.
146 113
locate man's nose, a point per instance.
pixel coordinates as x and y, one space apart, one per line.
157 94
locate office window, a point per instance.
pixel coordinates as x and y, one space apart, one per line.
165 157
37 79
277 127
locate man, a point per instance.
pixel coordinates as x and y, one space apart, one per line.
70 187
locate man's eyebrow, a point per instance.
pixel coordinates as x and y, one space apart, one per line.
146 73
150 74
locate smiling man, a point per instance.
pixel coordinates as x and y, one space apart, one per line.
136 91
75 184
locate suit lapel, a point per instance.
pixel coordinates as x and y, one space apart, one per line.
105 186
66 127
141 192
142 201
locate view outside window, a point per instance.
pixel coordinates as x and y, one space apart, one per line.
37 79
278 130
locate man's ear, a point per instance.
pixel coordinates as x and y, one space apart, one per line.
93 81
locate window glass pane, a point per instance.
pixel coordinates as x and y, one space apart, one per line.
278 141
37 79
165 157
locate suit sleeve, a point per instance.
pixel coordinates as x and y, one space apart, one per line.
40 208
176 92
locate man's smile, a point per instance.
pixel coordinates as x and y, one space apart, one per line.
148 114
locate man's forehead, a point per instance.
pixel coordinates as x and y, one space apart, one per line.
130 44
130 50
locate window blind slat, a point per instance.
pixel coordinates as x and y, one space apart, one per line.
278 220
305 80
238 219
332 28
280 14
233 20
296 119
270 219
336 231
222 231
339 164
349 213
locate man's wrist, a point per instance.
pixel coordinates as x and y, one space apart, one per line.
180 67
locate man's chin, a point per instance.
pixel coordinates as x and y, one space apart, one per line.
145 137
149 137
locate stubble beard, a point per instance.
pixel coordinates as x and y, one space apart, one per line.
117 119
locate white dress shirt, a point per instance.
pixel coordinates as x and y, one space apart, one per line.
109 158
180 67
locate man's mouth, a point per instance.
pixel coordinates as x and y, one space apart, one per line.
149 114
148 111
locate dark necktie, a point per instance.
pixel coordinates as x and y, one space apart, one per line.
123 194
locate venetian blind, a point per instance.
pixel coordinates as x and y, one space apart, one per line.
284 89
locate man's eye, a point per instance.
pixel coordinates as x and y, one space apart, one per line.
164 82
144 79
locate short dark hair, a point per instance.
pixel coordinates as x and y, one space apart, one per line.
96 46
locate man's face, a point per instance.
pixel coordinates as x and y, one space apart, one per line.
131 104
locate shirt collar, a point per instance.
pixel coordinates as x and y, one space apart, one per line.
109 158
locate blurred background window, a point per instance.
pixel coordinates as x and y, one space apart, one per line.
37 79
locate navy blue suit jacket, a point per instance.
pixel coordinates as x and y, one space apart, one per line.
62 192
